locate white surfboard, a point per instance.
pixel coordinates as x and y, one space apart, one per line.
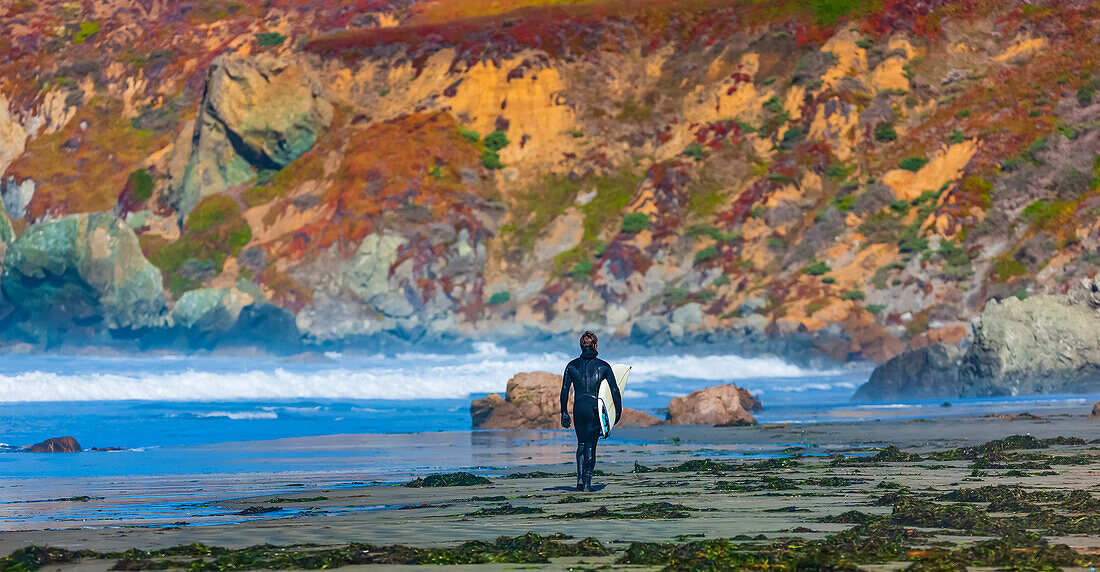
605 402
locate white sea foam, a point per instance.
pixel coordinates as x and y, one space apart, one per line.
240 414
408 376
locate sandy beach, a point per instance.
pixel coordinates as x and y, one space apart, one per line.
765 483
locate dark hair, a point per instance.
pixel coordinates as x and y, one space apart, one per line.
588 340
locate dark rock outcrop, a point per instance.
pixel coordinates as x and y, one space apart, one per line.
83 270
257 113
57 445
929 372
722 405
1095 411
1042 344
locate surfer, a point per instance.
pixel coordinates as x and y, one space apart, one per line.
584 374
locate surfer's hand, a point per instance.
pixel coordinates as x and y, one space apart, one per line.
565 420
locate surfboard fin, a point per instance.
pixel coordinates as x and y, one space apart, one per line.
605 421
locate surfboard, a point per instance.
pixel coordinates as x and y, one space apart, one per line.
605 402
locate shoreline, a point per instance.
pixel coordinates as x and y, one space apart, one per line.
386 514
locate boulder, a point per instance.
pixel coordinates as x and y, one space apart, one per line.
84 269
57 445
1095 411
257 113
531 401
930 372
722 405
1043 344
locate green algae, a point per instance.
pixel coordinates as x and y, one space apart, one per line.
1018 551
533 475
459 479
697 466
766 483
652 510
529 548
34 557
288 500
506 509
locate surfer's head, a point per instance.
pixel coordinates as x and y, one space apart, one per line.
588 340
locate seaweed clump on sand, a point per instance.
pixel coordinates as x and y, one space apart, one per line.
692 466
891 454
459 479
649 510
874 542
529 548
34 557
506 509
533 475
1017 551
281 500
766 483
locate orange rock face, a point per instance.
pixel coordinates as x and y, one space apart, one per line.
722 405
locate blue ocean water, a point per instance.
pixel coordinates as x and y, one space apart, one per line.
200 428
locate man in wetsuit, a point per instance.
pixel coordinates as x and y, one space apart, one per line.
584 374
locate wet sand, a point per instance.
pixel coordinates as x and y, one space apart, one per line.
745 499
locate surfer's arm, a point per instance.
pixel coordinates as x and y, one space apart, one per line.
615 395
565 383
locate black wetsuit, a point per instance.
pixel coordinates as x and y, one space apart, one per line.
584 374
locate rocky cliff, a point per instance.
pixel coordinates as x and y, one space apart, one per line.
1044 344
848 178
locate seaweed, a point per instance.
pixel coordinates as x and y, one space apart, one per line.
34 557
1016 551
698 466
505 510
834 482
281 500
459 479
772 464
651 510
718 554
533 475
911 511
765 483
529 548
892 454
258 510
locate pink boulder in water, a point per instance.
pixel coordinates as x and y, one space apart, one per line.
57 445
721 405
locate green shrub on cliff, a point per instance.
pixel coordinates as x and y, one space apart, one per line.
1006 268
270 39
817 269
707 253
582 269
87 30
856 295
213 231
141 183
913 164
885 132
635 222
494 142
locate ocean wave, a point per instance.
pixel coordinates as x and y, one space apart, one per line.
484 370
240 414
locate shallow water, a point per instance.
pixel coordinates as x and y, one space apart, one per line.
198 429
